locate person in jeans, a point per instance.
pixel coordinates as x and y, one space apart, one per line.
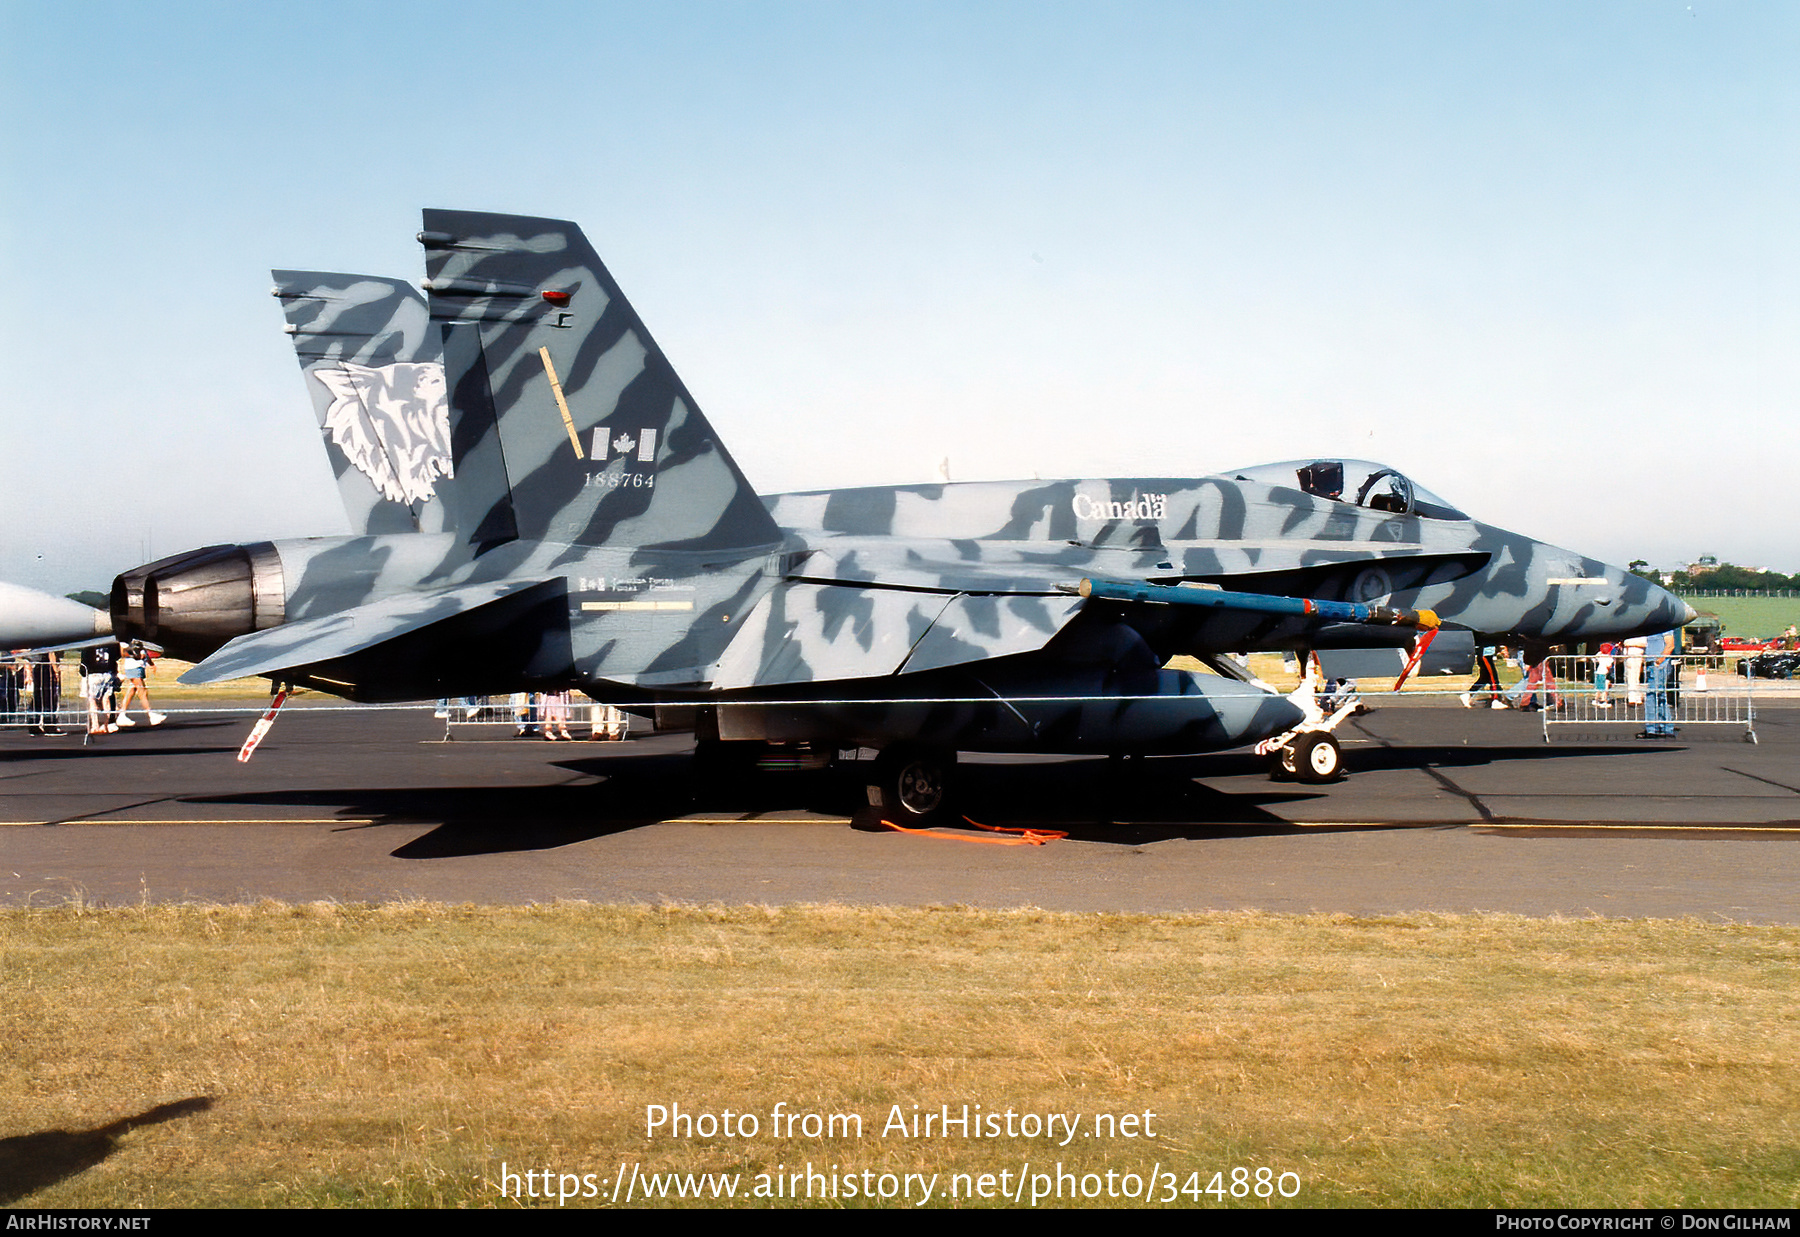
1661 665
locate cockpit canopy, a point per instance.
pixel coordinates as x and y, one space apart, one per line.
1361 483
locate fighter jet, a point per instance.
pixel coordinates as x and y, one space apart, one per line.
592 531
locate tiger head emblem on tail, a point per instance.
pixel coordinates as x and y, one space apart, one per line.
393 424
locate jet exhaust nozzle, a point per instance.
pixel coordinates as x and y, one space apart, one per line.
193 603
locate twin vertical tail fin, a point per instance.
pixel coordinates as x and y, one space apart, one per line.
374 368
567 422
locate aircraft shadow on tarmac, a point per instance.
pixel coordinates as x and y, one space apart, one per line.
139 740
1383 758
630 791
100 751
1123 802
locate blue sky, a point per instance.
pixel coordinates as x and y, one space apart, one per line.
1543 257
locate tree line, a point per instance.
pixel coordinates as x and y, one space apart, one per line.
1724 576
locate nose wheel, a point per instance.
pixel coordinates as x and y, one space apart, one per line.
1312 757
1318 758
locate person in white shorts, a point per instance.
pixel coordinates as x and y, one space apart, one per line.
133 668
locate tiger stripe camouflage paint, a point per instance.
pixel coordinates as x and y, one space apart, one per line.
598 535
509 292
374 370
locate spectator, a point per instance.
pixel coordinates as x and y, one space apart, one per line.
133 668
46 694
98 683
1661 651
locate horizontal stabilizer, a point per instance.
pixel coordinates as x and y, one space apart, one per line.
296 652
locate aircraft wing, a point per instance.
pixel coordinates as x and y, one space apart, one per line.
853 613
865 612
811 631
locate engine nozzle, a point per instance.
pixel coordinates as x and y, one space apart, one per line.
193 603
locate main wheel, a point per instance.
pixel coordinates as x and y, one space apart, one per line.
1317 757
914 783
722 762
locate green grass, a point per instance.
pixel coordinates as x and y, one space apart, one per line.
399 1055
1751 616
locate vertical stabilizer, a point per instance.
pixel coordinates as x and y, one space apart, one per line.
601 442
374 369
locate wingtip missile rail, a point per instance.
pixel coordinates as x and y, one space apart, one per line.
1222 599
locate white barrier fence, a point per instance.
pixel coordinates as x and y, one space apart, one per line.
1653 699
49 697
45 696
32 694
524 714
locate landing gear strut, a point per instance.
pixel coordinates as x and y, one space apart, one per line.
1310 753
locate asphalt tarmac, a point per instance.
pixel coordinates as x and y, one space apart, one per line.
1444 809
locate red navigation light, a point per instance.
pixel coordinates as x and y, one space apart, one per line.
557 298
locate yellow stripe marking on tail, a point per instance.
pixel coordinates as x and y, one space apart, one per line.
561 403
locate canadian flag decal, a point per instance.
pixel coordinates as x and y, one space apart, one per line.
620 445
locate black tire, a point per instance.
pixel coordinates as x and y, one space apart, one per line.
1317 758
721 763
914 783
1281 763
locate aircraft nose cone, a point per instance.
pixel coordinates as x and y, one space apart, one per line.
1644 606
1672 612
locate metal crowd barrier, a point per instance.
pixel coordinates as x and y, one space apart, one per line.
1697 695
39 697
42 694
1686 693
528 714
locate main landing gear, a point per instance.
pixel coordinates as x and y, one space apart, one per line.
909 784
912 782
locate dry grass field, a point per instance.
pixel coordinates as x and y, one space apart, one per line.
403 1054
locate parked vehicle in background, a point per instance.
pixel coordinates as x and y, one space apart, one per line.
1747 644
1701 638
1776 664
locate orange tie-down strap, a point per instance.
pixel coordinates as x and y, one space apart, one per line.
1023 837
